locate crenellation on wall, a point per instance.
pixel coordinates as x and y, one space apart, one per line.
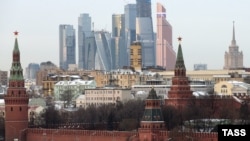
81 132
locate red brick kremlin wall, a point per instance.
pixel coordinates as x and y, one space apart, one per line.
36 134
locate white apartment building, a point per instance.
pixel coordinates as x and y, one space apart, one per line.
76 87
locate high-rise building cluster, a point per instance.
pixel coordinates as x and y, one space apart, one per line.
102 50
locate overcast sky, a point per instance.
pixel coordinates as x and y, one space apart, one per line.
204 25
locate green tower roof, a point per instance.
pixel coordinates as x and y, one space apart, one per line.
180 61
154 113
152 94
16 72
16 48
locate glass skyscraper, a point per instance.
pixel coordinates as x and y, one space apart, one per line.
118 48
84 31
31 70
144 32
143 8
98 51
130 31
67 52
166 56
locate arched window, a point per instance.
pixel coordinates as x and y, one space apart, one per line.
223 89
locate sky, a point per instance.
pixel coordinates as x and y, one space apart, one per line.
204 25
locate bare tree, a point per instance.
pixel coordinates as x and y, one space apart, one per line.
66 97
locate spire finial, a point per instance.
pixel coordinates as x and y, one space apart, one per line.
16 33
179 39
233 40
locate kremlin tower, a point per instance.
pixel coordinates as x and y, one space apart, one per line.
16 100
179 93
152 121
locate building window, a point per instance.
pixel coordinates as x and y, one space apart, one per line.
131 52
11 109
139 51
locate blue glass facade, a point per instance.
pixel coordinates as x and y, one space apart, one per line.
67 52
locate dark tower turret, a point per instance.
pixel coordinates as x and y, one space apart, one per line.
152 121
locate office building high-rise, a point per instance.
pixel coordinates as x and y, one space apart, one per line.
144 32
166 56
84 31
32 70
67 46
118 48
117 25
130 30
143 8
233 58
98 51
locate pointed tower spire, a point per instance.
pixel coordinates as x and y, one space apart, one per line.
16 72
180 61
180 92
16 49
233 40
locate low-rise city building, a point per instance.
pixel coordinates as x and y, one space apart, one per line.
75 87
106 95
3 77
235 88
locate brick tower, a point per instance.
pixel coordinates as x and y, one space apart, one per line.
152 121
179 93
16 100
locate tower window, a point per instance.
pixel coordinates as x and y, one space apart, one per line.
11 109
20 108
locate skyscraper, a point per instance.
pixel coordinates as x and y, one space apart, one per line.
31 70
233 58
143 8
67 46
118 48
98 51
84 31
117 25
130 31
166 56
144 32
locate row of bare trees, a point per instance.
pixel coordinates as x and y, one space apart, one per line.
208 108
129 114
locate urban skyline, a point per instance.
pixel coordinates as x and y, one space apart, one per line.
212 33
